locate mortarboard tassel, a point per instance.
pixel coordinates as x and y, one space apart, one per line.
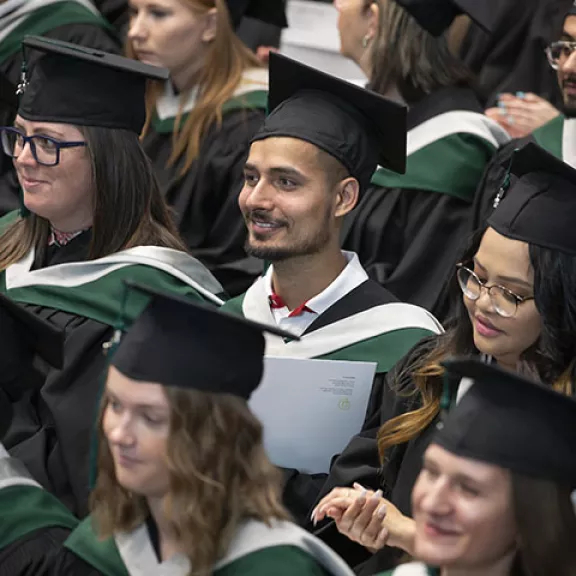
505 183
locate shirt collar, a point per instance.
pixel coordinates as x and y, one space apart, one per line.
350 278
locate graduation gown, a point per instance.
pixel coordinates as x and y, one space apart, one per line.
75 21
408 229
368 324
34 523
557 137
205 197
360 462
282 549
512 57
53 425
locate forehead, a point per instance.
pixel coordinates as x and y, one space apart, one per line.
453 465
66 130
285 152
133 392
570 26
503 256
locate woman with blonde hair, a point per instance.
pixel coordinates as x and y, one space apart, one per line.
517 309
201 120
183 485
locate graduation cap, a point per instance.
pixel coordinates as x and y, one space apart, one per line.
437 15
539 207
511 422
358 127
269 11
83 86
177 342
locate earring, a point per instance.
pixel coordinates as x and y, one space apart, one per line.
365 41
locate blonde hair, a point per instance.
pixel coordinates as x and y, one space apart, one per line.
227 59
219 476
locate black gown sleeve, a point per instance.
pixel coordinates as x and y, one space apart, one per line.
360 462
301 491
205 198
399 233
52 427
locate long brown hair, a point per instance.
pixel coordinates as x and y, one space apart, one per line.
422 373
129 209
227 59
546 523
219 476
408 57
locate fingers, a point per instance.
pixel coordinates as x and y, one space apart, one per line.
359 516
372 531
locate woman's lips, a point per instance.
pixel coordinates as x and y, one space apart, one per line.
485 328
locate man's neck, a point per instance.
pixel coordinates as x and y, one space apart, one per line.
299 279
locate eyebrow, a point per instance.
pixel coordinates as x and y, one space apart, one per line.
510 279
566 36
40 131
277 170
139 406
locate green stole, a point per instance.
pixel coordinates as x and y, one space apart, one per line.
550 136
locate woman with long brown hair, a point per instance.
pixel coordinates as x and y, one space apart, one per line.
418 220
201 121
517 309
92 215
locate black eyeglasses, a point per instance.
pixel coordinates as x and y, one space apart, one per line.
45 150
558 51
505 302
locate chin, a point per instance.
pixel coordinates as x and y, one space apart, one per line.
436 555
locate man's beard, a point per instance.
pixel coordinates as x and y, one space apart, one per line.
306 247
569 99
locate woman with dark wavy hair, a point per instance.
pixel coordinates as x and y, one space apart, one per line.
517 309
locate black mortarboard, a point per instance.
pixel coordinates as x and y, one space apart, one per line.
176 342
43 337
358 127
86 87
511 422
539 207
269 11
437 15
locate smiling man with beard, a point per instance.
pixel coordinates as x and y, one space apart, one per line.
557 136
308 164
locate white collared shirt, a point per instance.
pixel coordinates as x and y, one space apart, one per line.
350 278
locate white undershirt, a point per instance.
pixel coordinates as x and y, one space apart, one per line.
350 278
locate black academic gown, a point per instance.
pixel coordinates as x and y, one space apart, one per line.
512 57
51 429
409 238
91 35
359 462
205 198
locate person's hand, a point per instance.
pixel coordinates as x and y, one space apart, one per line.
263 53
366 518
521 114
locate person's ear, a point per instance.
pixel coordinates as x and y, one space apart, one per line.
346 196
210 25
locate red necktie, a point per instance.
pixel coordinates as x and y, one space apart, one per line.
277 302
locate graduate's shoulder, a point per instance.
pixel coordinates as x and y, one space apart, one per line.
281 560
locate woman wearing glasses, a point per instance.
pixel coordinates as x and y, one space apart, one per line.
92 215
517 309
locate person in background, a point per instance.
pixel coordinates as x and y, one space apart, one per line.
202 119
86 223
517 309
76 21
182 478
494 493
558 136
308 165
418 220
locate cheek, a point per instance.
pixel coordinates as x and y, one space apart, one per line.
178 42
527 327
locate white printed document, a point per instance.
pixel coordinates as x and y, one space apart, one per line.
311 409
